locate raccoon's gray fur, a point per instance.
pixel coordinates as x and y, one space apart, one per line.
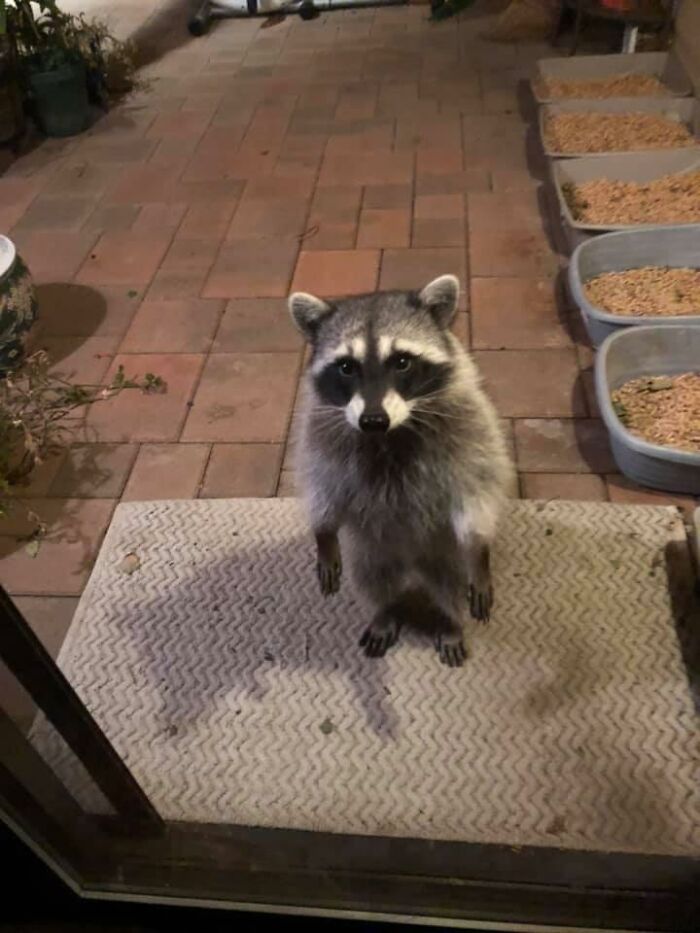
400 448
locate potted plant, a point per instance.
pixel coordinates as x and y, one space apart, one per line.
110 63
67 62
53 68
38 410
18 305
11 111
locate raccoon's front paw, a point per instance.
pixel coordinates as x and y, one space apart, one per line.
329 574
481 602
380 636
450 647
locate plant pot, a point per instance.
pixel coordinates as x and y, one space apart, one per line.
60 99
18 306
11 112
98 94
648 351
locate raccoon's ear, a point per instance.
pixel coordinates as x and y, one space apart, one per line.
307 312
440 298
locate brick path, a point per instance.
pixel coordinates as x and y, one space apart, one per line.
361 150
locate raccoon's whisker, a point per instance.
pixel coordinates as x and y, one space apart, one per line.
328 408
438 393
335 428
434 413
424 423
329 422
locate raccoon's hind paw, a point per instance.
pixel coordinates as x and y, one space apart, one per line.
329 575
380 636
450 647
481 602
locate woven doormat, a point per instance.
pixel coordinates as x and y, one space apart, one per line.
237 694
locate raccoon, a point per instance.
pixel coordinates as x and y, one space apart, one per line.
401 449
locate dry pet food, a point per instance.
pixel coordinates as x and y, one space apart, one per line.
662 409
650 290
614 132
625 85
672 199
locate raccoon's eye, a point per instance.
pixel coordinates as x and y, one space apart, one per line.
347 366
403 363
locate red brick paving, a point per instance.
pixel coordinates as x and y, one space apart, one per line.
65 558
252 269
70 310
410 268
186 326
256 325
516 314
243 397
167 471
123 258
152 417
242 470
533 383
620 489
81 359
368 149
384 228
94 471
567 486
337 272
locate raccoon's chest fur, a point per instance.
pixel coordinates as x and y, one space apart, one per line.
392 490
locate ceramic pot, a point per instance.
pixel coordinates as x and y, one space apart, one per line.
18 305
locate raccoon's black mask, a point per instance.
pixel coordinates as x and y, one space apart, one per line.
377 356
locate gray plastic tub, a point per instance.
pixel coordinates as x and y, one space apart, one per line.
667 66
681 110
648 351
677 247
639 167
567 238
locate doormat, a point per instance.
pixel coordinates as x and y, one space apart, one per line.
236 693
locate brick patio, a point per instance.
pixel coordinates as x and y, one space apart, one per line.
361 150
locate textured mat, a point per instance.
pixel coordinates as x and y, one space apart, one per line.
236 694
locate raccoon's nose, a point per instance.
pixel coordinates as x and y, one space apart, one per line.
376 421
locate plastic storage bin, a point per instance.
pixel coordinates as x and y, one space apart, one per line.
677 247
639 167
667 66
682 110
648 351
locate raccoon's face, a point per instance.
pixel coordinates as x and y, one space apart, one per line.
380 358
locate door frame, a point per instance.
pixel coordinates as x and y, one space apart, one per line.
135 855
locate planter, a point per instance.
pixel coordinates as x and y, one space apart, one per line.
18 305
682 110
676 247
639 167
667 66
648 351
11 111
60 99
